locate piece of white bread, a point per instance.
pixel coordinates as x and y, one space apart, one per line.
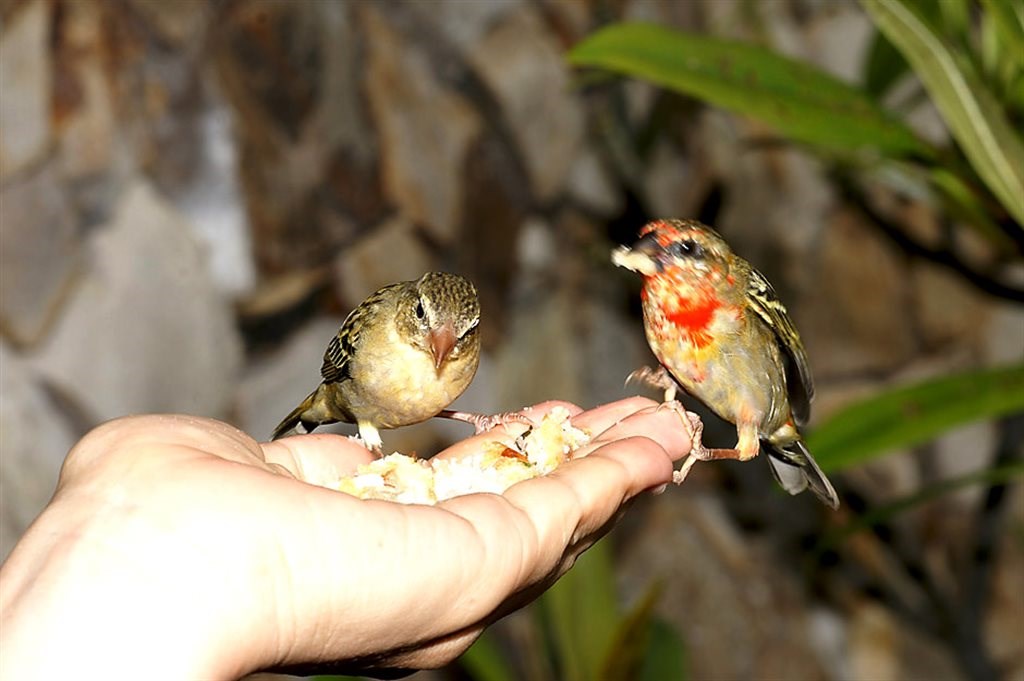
494 469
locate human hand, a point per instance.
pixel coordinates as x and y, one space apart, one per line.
182 543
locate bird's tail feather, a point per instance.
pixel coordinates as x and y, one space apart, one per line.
294 420
796 471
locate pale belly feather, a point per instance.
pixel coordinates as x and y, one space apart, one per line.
399 385
740 386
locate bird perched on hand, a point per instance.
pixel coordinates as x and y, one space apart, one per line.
719 331
400 357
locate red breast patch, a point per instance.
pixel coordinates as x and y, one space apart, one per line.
693 318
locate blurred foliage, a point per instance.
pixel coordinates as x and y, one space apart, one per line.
908 416
972 111
973 75
800 101
586 636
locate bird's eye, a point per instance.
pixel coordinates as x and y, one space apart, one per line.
687 248
420 312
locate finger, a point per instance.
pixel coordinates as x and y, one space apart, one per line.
662 425
546 407
582 495
597 420
548 515
633 455
317 458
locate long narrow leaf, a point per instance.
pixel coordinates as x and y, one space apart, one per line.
643 644
956 18
884 65
583 614
1008 19
625 654
1002 48
911 415
666 654
484 661
970 110
800 101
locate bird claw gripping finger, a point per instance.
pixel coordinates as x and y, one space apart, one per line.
484 422
691 422
694 430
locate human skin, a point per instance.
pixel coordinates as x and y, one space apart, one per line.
179 547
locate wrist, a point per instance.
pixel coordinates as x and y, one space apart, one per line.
104 597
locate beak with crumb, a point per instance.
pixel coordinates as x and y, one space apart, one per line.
643 257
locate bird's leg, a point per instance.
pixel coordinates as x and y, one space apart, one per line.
483 422
656 378
698 452
749 443
747 448
661 378
371 438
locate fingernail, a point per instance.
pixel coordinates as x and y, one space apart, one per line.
660 489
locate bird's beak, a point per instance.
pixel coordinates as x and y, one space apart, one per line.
442 340
644 257
648 245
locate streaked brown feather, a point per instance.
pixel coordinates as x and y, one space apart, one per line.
341 348
799 382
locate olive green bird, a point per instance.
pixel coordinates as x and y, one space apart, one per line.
721 334
401 357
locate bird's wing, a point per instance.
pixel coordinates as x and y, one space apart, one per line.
343 346
799 382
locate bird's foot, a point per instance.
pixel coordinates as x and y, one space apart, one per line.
371 438
691 423
658 378
484 422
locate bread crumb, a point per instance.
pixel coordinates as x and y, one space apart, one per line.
494 469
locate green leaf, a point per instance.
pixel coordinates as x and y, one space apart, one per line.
1002 46
1008 19
956 18
643 642
972 113
991 49
802 102
914 414
883 66
484 661
582 614
666 654
625 653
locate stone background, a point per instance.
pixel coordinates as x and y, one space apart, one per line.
194 193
